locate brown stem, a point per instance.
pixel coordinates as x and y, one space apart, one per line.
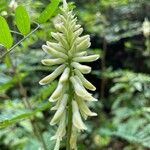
103 66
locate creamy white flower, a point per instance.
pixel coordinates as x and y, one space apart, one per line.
56 46
73 139
57 145
53 52
85 82
56 93
51 62
77 121
83 68
79 54
60 110
80 90
84 108
61 131
64 77
53 75
86 58
84 45
83 38
57 104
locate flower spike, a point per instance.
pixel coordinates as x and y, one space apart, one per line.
68 51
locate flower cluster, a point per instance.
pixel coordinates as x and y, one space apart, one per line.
68 51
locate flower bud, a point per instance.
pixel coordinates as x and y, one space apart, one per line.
53 75
77 121
84 108
60 110
56 36
64 77
53 52
84 45
83 68
57 103
79 54
80 90
56 93
56 46
57 145
83 38
86 58
61 131
51 62
78 32
73 139
85 82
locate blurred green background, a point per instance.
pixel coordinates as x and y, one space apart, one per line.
121 75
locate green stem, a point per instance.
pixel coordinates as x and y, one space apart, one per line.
24 38
69 127
69 117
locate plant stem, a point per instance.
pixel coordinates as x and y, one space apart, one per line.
103 66
69 130
69 118
24 38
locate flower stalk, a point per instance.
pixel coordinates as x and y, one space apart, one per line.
71 95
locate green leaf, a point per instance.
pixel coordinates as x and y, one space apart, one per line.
18 115
50 144
5 36
4 86
3 5
32 144
22 20
49 11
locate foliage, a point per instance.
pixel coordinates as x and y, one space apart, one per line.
22 20
5 38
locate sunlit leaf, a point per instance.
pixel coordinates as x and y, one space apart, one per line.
49 11
5 36
22 20
4 86
18 115
3 4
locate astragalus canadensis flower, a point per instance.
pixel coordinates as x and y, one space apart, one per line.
71 95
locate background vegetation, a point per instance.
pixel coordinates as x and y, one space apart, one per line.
122 76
